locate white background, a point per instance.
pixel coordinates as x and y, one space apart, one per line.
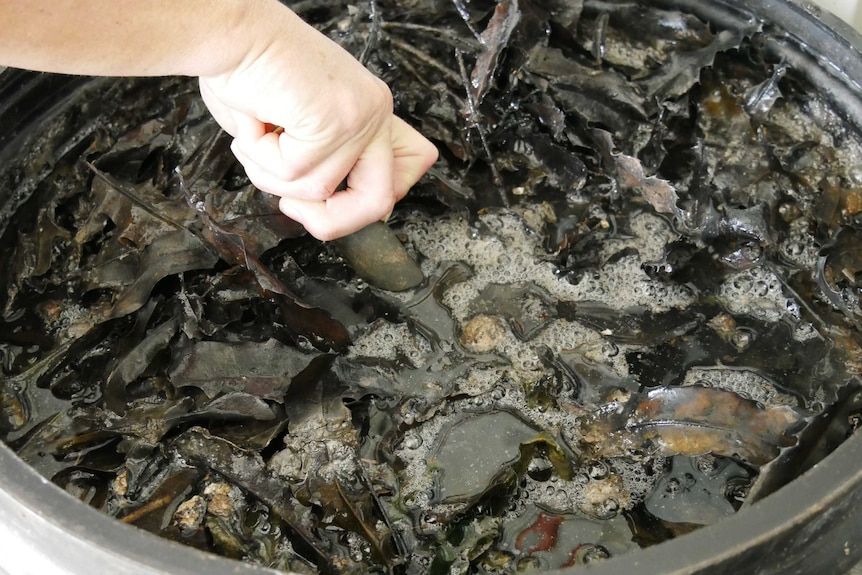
848 10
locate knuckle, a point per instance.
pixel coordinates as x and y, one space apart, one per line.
383 100
291 168
288 172
376 104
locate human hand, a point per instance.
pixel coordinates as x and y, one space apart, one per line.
337 123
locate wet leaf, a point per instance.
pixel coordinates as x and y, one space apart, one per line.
682 71
690 495
172 253
427 314
542 533
527 308
589 118
154 513
802 369
563 540
555 449
467 467
247 470
637 326
843 260
495 39
264 370
759 99
824 432
691 421
477 537
135 362
605 99
147 421
629 172
352 509
24 403
235 405
325 332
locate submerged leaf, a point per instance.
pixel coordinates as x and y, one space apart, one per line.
467 467
688 495
264 370
527 308
691 420
172 253
456 558
630 175
495 39
247 470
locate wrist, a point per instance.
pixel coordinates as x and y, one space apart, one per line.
241 32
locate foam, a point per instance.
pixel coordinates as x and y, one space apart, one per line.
757 292
744 383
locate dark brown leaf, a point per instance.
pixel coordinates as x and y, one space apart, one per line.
264 370
495 39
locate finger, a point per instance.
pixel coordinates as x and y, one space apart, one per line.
235 123
333 219
370 178
369 170
413 156
368 197
219 111
308 188
285 156
309 172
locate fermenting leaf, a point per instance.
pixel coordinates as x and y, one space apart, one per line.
133 364
687 494
172 253
323 331
527 308
467 467
456 557
247 470
264 369
24 404
235 405
563 540
606 99
691 420
495 38
629 173
683 69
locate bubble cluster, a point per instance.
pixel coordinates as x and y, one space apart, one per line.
799 246
743 382
385 340
758 293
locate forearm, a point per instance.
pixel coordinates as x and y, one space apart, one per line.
138 37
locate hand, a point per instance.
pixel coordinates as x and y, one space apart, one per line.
337 123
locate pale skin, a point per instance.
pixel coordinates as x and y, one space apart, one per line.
260 66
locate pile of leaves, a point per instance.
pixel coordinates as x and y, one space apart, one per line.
175 351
